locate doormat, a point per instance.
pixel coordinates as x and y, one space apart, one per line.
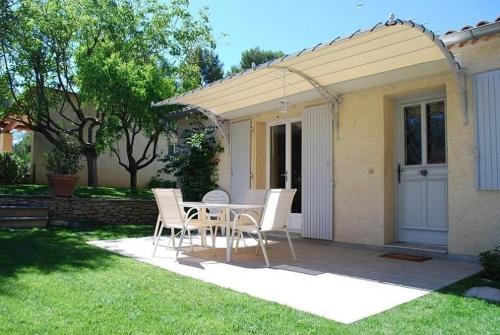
405 257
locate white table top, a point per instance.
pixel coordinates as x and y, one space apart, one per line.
214 205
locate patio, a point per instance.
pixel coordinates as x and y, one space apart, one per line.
337 282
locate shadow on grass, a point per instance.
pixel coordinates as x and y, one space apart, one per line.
459 288
56 250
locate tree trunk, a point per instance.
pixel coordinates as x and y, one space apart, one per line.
133 180
91 156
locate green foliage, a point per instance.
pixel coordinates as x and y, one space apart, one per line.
22 147
12 170
255 55
211 68
161 183
490 260
64 157
195 162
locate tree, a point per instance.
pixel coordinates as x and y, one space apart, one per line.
145 58
211 68
38 41
195 161
254 55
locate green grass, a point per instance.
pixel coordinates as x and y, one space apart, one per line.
52 282
80 191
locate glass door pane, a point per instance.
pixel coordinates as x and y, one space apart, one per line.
296 165
277 173
436 133
413 135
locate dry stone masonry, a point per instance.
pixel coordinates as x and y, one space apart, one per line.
82 211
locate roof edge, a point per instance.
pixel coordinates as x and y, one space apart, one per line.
471 34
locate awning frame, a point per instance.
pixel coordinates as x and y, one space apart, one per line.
332 99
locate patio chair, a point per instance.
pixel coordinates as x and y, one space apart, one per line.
178 193
172 216
215 214
274 218
252 197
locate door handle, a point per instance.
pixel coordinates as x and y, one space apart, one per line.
424 172
285 175
399 170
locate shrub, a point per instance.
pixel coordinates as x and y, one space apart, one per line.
64 158
490 260
195 162
12 169
161 183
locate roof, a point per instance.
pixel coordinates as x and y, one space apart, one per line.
481 30
390 51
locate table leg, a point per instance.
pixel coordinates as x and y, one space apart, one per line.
228 235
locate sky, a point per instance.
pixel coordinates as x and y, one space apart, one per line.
291 25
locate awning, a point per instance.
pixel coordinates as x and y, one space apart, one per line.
394 51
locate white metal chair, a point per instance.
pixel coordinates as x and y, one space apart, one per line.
215 214
178 193
172 216
274 218
252 197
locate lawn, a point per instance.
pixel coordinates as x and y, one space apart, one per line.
52 282
80 191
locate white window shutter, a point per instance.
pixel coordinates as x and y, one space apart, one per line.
487 103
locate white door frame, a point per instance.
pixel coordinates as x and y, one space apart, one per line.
399 147
295 218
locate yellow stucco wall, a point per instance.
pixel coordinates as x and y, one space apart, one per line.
6 142
364 160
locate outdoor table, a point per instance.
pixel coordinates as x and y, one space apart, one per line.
226 217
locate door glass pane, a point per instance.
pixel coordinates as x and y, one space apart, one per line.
278 156
413 135
436 133
296 165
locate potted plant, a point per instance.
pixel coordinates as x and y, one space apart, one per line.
63 162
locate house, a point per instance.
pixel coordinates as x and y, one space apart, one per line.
390 135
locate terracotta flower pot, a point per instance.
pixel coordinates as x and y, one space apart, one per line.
62 185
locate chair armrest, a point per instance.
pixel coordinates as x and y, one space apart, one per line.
252 219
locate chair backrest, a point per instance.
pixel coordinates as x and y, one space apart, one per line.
168 201
255 197
216 197
277 209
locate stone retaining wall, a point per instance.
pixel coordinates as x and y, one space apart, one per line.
74 211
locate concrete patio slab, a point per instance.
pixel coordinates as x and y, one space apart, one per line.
335 282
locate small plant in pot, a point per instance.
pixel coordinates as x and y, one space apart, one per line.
63 162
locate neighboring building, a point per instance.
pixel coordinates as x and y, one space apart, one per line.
390 135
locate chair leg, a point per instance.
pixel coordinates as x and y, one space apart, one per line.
237 242
157 228
265 240
157 240
232 237
291 245
243 239
263 248
180 243
172 237
190 240
213 238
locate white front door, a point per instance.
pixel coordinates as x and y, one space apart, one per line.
285 164
240 160
422 173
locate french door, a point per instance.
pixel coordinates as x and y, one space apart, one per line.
284 152
422 173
